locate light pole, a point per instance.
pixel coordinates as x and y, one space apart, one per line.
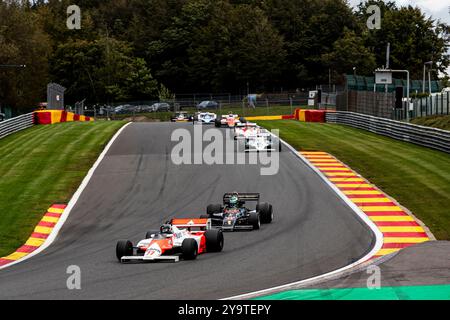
429 79
430 63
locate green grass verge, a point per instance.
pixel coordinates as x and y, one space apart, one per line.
41 166
418 177
440 122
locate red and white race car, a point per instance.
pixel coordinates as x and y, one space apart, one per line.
230 120
243 130
185 238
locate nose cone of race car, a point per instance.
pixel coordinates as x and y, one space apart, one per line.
153 251
229 222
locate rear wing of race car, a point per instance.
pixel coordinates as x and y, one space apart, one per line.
199 224
243 197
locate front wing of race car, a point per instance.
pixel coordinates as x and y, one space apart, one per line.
149 259
180 120
230 225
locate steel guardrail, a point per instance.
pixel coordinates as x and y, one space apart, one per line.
16 124
424 136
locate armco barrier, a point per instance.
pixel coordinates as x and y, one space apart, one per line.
424 136
13 125
25 121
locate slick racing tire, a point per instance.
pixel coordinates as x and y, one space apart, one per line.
218 123
214 240
213 208
254 220
204 216
275 142
265 211
148 235
124 248
189 249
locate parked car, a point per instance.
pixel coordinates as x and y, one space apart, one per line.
208 105
124 109
161 107
145 108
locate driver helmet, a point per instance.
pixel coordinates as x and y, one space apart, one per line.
234 199
166 228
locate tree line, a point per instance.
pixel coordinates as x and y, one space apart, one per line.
145 49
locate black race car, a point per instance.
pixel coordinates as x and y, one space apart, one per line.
234 215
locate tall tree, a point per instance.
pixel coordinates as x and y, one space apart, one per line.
237 46
414 39
348 52
102 70
22 42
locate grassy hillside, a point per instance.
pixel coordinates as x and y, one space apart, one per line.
440 122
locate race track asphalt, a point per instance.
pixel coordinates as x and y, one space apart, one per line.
137 187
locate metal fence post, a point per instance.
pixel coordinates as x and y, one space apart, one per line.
420 107
448 96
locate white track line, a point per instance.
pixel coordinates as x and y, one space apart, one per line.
354 207
71 204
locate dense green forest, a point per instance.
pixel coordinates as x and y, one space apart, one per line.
136 49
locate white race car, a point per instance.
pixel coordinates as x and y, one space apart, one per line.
185 238
243 130
260 140
205 117
230 120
